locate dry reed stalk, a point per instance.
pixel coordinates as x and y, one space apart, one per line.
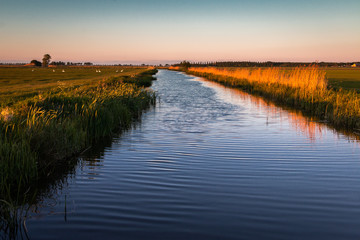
308 78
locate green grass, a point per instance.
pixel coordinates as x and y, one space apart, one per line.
346 78
23 82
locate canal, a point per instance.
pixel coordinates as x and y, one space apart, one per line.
209 162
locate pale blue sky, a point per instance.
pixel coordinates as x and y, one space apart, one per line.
164 31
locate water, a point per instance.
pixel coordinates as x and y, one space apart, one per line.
210 163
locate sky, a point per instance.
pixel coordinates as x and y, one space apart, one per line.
159 31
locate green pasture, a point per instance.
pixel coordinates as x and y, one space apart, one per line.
347 78
22 82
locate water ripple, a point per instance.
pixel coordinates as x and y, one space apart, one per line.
213 163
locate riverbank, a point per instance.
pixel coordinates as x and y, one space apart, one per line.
43 129
305 89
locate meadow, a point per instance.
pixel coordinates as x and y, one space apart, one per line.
49 115
23 82
346 78
328 94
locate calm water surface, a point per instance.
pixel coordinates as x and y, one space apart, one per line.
210 163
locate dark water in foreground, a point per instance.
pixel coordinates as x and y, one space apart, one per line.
210 163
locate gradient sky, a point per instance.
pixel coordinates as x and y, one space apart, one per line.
159 31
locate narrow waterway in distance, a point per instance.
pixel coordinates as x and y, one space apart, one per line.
209 162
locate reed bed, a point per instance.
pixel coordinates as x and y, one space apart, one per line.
308 79
303 88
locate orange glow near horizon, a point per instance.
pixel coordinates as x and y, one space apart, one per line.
171 31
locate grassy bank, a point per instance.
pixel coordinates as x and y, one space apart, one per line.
43 125
301 88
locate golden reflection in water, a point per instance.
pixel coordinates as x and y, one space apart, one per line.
301 124
311 128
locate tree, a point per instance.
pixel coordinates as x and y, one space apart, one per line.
36 63
46 60
185 64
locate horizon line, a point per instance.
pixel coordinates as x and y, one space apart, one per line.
157 62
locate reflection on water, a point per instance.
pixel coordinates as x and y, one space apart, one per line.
312 128
209 163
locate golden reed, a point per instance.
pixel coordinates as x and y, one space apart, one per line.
307 78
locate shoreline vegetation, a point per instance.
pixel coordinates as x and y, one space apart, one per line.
52 118
42 130
302 88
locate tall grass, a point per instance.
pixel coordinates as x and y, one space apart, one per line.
303 88
309 79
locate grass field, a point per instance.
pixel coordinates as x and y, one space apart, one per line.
22 82
347 78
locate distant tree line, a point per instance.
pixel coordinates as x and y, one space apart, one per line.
74 64
264 64
61 63
12 64
185 64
